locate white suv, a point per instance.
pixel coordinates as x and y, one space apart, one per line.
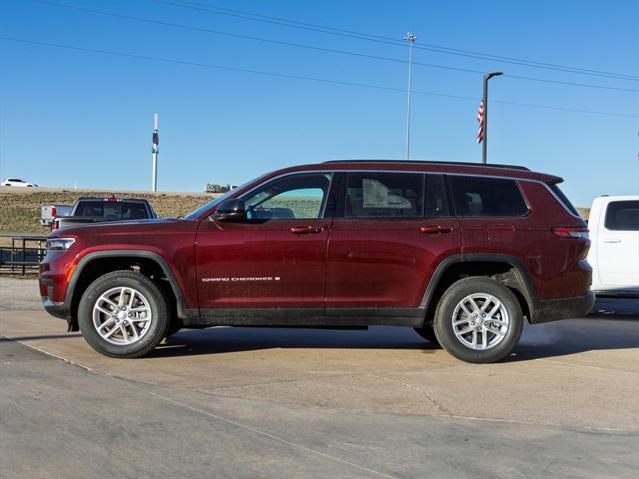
16 182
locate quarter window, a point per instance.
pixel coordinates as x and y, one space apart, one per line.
474 196
622 216
291 197
384 195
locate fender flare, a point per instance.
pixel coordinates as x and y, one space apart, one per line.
523 275
151 255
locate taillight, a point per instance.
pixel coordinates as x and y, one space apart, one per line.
54 212
570 232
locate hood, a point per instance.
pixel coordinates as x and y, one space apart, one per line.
142 226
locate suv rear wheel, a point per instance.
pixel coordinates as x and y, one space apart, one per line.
478 320
123 314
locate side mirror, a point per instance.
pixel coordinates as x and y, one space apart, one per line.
230 210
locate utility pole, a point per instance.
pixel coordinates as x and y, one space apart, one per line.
410 38
487 77
155 150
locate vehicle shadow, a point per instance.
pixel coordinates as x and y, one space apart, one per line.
574 336
237 339
539 341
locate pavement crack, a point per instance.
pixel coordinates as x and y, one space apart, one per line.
436 404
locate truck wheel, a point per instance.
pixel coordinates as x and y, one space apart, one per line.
123 314
428 333
478 320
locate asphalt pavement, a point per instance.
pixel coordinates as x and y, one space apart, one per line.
260 402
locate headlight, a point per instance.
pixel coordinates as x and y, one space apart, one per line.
59 244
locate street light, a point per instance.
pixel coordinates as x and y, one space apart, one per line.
487 77
410 38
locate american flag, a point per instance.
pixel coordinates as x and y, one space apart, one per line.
480 119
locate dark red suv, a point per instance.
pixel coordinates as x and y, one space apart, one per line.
460 252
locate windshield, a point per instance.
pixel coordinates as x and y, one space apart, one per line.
202 209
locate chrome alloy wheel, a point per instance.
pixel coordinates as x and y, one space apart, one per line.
480 321
122 316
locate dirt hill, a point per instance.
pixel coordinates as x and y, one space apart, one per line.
20 207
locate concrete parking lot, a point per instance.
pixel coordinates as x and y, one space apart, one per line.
240 402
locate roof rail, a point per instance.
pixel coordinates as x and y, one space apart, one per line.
421 162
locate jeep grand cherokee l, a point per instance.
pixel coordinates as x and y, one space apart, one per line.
463 253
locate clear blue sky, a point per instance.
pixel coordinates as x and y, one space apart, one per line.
69 115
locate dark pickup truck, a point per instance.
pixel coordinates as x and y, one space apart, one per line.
96 210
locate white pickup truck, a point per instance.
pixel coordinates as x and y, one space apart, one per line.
49 212
614 252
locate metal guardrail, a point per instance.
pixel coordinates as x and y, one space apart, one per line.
24 254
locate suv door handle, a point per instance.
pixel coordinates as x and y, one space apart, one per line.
303 230
612 241
433 230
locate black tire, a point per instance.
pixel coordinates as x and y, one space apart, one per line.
159 324
445 315
428 333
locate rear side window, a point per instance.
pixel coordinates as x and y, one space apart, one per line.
384 195
622 216
475 196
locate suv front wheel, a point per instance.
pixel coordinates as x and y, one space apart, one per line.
123 314
478 320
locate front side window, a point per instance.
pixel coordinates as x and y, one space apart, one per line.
476 196
292 197
384 195
622 216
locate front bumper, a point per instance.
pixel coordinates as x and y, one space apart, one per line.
58 310
54 271
555 309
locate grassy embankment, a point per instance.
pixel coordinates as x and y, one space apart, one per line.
20 208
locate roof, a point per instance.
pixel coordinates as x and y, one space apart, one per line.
491 165
506 171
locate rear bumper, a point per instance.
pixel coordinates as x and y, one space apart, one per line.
555 309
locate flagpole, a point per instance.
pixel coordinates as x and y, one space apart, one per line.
155 150
485 116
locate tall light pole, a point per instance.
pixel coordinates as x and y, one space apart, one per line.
410 38
155 150
487 77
